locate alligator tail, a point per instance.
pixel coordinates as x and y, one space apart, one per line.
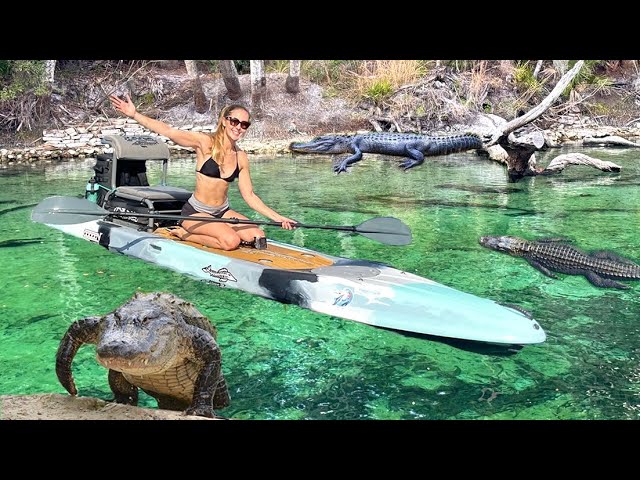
455 143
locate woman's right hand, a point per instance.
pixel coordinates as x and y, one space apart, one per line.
125 106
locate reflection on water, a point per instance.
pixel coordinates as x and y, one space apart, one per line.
284 362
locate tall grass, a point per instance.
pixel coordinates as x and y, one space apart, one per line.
378 79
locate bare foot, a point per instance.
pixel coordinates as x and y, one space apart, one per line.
178 232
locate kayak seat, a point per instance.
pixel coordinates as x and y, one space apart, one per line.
158 193
160 199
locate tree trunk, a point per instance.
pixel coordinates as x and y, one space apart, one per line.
199 98
230 78
536 70
49 71
258 83
43 104
292 85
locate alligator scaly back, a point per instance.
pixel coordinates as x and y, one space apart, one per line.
413 146
601 268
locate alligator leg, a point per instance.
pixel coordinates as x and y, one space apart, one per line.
123 391
343 164
79 332
598 281
416 158
205 352
542 268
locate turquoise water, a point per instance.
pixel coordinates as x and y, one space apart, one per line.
284 362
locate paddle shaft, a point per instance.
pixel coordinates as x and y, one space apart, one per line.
60 210
203 219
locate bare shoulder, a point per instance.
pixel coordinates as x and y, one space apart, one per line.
243 160
205 140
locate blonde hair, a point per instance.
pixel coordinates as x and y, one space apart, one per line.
217 151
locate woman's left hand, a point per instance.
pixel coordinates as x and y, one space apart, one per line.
287 223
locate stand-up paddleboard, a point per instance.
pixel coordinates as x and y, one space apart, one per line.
364 291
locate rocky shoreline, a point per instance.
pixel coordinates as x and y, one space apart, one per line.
85 141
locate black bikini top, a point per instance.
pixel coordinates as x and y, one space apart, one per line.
211 169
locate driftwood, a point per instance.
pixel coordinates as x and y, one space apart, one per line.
611 140
520 154
375 121
561 161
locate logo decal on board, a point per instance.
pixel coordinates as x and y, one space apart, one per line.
223 275
91 235
124 210
343 297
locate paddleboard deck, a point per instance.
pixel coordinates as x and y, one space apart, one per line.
274 256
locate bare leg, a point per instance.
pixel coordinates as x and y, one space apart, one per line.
225 236
246 231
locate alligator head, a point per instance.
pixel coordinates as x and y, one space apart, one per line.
140 337
324 144
504 243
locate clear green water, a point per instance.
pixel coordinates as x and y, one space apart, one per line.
284 362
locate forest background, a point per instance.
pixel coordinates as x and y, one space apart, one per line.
310 97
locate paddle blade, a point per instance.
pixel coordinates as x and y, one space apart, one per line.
388 230
48 211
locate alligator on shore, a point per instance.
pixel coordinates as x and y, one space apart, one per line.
155 342
414 146
601 268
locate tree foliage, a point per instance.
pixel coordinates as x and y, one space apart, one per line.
20 77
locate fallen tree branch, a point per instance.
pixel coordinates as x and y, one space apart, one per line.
561 161
535 112
611 140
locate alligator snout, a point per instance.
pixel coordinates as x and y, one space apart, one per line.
117 348
488 241
500 243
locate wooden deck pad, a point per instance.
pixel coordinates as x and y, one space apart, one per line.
274 255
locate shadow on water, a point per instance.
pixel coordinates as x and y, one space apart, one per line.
466 345
38 318
479 189
20 242
413 202
15 209
337 208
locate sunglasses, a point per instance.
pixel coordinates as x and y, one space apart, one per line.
234 122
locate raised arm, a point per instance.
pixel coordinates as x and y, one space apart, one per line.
181 137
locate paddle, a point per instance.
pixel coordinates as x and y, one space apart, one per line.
59 210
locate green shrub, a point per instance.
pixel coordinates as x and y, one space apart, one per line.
378 90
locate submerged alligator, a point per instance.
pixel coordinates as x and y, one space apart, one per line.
414 146
601 268
155 342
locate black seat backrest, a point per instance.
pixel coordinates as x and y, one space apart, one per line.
131 173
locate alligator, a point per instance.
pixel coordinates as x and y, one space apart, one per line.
156 342
601 268
415 146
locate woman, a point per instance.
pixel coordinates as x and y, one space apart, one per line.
219 161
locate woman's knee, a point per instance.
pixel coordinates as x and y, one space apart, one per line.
256 232
229 241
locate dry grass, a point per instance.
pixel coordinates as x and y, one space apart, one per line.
478 86
379 78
